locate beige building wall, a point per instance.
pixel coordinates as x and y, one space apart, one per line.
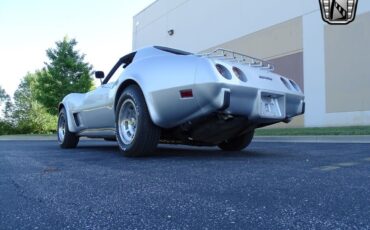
200 24
347 57
280 44
270 43
330 63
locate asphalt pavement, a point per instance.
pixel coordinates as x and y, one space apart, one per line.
269 185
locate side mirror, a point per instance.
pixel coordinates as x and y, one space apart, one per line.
99 75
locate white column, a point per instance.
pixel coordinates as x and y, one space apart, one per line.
314 69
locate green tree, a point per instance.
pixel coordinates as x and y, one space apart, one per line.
28 115
65 73
23 97
6 125
3 96
5 104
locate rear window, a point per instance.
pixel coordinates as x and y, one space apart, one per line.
173 51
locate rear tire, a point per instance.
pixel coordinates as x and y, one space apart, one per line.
238 143
136 134
66 139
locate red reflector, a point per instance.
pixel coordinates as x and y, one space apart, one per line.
186 93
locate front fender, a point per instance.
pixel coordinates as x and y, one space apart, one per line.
70 104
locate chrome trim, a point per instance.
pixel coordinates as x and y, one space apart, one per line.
223 54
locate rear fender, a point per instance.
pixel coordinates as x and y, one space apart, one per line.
161 79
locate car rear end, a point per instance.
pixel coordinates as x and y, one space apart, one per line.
239 85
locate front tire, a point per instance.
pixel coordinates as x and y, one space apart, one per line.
66 139
135 132
238 143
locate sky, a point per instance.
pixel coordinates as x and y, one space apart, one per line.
102 28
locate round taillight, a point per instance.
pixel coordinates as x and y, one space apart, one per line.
295 85
286 83
239 74
223 71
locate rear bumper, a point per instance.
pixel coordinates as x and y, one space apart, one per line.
250 102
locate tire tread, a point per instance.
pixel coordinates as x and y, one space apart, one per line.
144 143
70 139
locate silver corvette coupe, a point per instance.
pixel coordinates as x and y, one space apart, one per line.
175 97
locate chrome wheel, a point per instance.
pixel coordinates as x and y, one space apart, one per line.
136 134
61 128
127 121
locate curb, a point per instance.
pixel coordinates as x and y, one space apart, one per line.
33 138
360 139
28 138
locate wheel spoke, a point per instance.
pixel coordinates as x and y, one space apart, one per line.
61 128
127 121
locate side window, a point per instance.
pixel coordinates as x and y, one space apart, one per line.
116 75
116 72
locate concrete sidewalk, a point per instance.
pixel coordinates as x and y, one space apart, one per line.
295 139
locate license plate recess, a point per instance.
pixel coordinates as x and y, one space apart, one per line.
272 105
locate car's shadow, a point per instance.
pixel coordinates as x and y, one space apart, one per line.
170 151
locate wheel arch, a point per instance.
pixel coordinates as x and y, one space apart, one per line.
60 106
147 97
71 126
121 88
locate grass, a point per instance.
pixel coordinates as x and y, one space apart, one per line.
350 130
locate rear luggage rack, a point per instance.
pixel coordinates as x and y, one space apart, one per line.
228 55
